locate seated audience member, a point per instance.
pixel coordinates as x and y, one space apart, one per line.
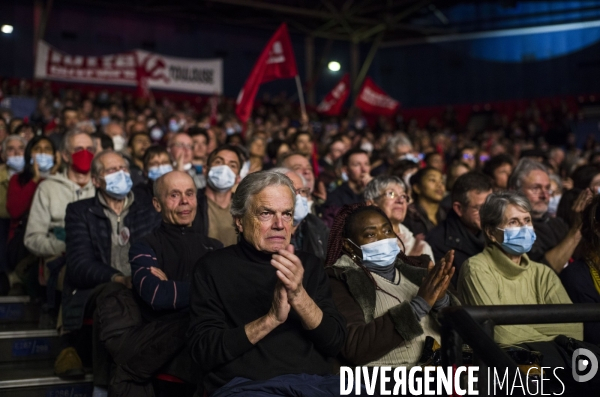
581 278
398 148
503 274
262 315
461 231
557 190
297 162
404 169
389 194
257 148
556 242
276 149
99 232
180 147
309 233
102 142
435 160
201 141
356 165
390 306
13 149
499 169
334 151
425 212
138 144
156 163
45 231
162 264
302 142
41 160
214 202
468 155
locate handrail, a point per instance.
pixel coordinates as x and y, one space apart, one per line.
535 314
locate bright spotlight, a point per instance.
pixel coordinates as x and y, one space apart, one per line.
8 29
334 66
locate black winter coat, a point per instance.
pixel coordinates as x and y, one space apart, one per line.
88 256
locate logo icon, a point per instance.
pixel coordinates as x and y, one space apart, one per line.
583 361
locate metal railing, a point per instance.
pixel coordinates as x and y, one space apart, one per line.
474 325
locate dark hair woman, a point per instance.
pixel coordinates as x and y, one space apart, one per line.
390 306
581 278
428 191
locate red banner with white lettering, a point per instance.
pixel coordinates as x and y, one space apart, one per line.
374 100
276 61
333 102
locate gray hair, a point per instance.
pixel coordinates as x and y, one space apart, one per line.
399 139
284 171
98 167
492 211
557 180
12 138
253 184
522 170
66 141
376 187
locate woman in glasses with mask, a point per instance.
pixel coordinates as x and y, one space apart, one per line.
390 306
389 193
503 274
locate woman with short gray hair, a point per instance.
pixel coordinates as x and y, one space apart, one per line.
390 194
503 274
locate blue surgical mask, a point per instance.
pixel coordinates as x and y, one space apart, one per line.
518 240
16 163
409 156
118 184
156 172
380 253
300 209
198 168
44 161
553 204
221 178
104 120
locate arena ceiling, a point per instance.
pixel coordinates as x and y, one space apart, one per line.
350 20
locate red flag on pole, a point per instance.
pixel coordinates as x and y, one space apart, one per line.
276 61
374 100
333 102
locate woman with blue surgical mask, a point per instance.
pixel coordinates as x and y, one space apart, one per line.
389 303
503 274
39 161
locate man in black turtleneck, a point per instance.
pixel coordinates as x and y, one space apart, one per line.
162 265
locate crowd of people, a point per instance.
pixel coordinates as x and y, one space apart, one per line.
171 239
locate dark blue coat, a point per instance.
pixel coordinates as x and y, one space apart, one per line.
88 243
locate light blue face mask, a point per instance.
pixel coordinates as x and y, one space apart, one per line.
16 163
518 240
300 209
44 161
379 253
221 178
118 184
156 172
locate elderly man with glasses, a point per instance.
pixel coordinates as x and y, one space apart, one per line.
556 242
389 194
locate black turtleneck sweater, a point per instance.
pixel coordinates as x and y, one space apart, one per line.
175 250
233 287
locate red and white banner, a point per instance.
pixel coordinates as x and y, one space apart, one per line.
135 68
276 61
374 100
333 102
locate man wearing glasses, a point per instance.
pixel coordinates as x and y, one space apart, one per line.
309 232
461 230
555 242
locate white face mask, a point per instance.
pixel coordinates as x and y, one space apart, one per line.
118 143
367 147
553 204
245 169
221 178
300 209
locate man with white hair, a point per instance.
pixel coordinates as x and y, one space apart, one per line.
399 147
309 232
555 241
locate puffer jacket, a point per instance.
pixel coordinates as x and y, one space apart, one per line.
45 226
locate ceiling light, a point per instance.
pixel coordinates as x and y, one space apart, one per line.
8 29
334 66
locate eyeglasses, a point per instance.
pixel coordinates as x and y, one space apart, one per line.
392 195
304 192
182 146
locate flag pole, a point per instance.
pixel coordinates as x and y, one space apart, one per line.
300 94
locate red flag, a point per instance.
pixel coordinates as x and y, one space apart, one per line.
374 100
276 61
333 102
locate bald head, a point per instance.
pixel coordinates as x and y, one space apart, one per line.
175 198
